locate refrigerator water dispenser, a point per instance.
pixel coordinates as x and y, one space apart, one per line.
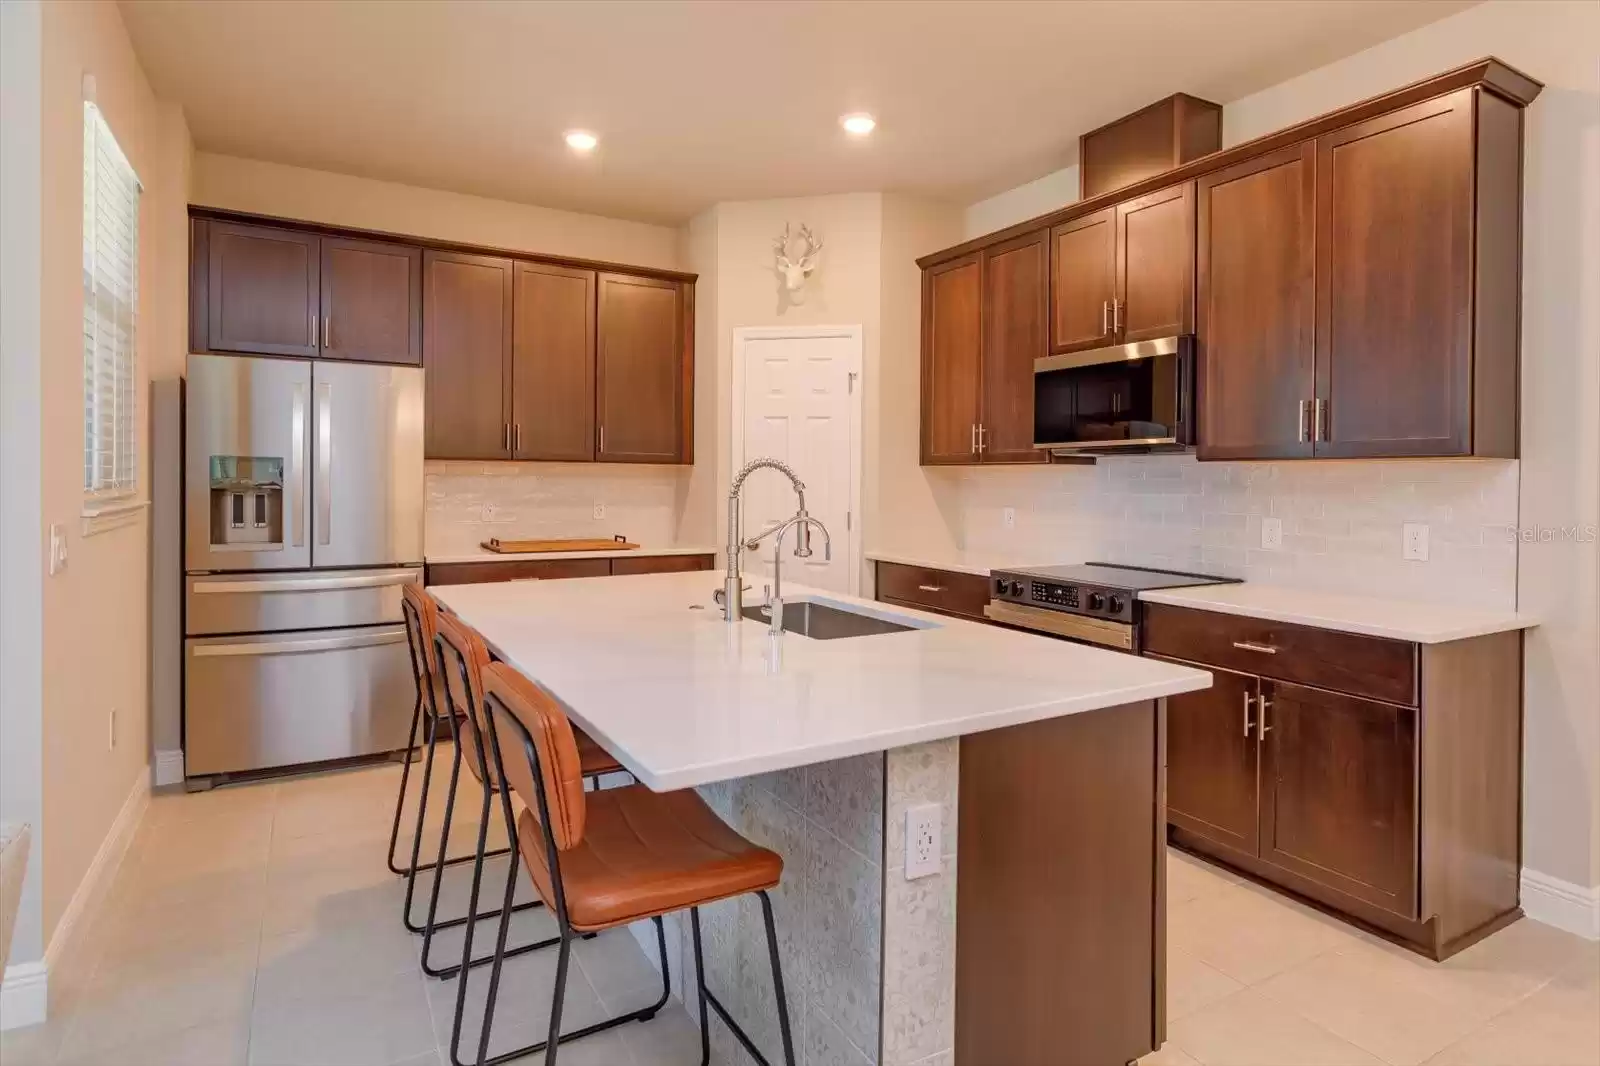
246 503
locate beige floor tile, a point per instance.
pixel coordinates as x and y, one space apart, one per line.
522 1005
1250 933
218 1044
619 971
377 1024
1250 1029
1191 984
316 962
1559 1025
35 1045
671 1038
171 933
1190 878
1169 1054
242 803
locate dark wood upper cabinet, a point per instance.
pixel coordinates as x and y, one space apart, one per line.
639 380
1149 142
952 347
371 301
553 366
261 290
1338 798
1256 315
1015 318
1211 759
1155 265
467 311
1395 283
1083 282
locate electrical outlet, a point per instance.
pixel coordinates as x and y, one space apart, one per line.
923 834
111 730
488 512
599 510
1414 541
1272 533
1009 517
58 550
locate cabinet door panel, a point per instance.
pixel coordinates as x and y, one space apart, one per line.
262 290
467 349
1083 281
1256 315
952 340
1394 279
553 379
1015 320
1338 793
371 301
639 370
1155 265
1212 759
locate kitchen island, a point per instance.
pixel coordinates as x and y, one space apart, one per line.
1042 760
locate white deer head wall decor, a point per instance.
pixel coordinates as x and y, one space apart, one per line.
793 270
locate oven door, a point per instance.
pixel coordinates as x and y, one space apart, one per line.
1128 396
1100 632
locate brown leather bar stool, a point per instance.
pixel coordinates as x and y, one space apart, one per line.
606 859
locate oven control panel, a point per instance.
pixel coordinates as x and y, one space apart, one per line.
1093 600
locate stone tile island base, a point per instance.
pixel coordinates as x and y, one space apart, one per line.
1060 827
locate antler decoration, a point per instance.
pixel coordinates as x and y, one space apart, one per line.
796 270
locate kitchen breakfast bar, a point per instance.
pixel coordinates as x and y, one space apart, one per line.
1033 934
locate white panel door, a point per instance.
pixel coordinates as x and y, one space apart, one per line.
799 406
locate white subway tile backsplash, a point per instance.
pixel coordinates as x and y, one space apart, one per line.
1341 521
471 502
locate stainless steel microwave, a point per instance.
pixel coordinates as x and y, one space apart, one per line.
1124 398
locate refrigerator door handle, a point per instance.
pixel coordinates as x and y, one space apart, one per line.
297 466
324 461
307 584
296 647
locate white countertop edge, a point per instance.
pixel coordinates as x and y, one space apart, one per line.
931 564
1418 623
694 776
483 555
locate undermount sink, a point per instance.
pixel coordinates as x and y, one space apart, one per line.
822 622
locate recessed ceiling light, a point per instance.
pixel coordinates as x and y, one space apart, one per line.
581 140
859 124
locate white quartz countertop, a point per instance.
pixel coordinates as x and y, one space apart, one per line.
484 555
959 566
649 668
1422 623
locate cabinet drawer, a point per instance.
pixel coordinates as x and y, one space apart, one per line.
515 570
1374 667
660 564
940 590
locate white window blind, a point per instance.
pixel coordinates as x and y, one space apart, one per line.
110 310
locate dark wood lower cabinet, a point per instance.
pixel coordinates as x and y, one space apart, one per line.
1060 896
1404 816
553 569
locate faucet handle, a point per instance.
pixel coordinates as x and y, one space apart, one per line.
766 595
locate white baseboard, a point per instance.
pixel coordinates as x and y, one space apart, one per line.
25 995
97 878
1562 904
169 768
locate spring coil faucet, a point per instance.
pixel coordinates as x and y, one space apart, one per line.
733 581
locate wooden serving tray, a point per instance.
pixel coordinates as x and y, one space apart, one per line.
574 544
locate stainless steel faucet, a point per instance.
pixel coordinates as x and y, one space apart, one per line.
801 524
733 581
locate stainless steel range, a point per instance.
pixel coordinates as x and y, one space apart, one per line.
1097 603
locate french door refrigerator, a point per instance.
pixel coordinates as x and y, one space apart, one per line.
303 517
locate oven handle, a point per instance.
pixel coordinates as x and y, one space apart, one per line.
1098 631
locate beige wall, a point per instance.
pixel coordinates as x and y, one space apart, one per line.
361 203
95 629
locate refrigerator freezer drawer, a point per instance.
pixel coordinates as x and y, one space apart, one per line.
281 699
322 599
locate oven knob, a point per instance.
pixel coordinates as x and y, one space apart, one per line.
1096 601
1115 605
1000 586
1016 588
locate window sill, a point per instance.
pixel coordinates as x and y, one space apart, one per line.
102 516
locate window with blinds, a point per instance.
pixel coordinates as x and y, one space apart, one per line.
110 310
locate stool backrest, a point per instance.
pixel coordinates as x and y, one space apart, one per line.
462 657
530 725
421 613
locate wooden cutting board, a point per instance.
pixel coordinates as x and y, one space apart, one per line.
573 544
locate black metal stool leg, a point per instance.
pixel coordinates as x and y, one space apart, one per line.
777 979
552 1041
700 982
405 778
707 998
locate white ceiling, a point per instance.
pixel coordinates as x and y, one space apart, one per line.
697 102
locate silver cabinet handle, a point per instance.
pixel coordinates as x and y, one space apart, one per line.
324 461
1319 420
973 437
931 588
314 321
1105 318
602 440
1116 316
297 466
327 331
1246 645
298 647
307 584
516 436
983 442
1248 699
1262 728
1301 432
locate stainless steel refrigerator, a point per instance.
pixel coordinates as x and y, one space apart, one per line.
303 517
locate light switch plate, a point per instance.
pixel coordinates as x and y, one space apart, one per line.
1272 533
488 512
924 832
1414 541
599 510
1009 517
58 550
